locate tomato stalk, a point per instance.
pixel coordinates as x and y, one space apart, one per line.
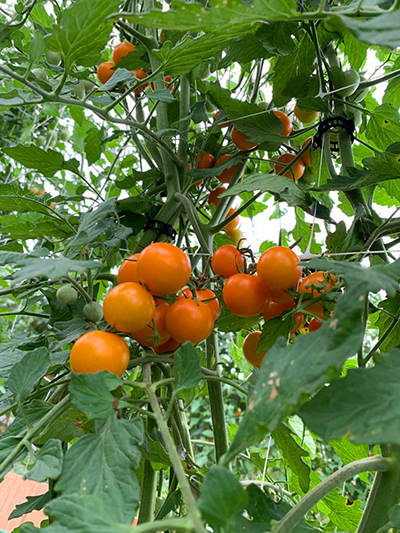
149 485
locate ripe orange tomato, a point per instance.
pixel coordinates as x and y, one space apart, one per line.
170 346
188 320
227 174
241 140
205 160
306 117
297 169
234 223
163 268
128 270
280 296
213 196
227 261
104 72
250 346
129 307
122 50
244 295
287 125
96 351
167 81
222 124
207 296
314 324
316 309
278 269
306 157
140 75
274 309
155 333
325 280
299 322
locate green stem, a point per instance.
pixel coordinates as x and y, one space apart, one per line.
191 507
299 511
184 123
170 524
24 313
79 288
386 77
198 227
383 338
149 486
218 227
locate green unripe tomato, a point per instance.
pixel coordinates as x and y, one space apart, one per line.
64 134
308 177
264 105
360 94
93 312
53 58
41 140
79 91
349 80
40 74
66 295
88 85
210 107
355 114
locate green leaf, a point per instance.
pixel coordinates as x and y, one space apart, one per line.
222 497
48 463
163 95
273 330
40 15
93 223
37 47
355 51
131 181
392 305
104 465
187 366
82 32
380 31
228 322
91 393
381 169
383 126
349 452
277 37
376 421
93 147
293 453
27 372
47 162
32 503
242 50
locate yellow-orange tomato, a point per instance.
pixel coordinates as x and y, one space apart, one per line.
170 346
222 124
297 169
104 72
140 75
306 157
236 236
205 295
274 309
306 117
287 125
163 268
204 161
122 50
278 268
213 196
234 223
129 307
227 174
244 295
156 332
314 324
188 320
227 261
299 322
128 270
250 346
241 141
96 351
323 281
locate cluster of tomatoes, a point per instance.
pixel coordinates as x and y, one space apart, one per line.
145 305
106 70
270 291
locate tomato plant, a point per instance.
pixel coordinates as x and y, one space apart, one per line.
200 310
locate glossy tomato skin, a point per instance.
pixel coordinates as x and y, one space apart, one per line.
234 223
306 157
297 169
140 75
129 307
170 346
305 117
128 270
274 309
213 196
156 332
104 72
96 351
314 324
325 280
122 50
278 270
205 160
241 141
227 261
287 126
163 268
236 236
205 295
316 309
244 295
188 320
227 174
299 317
250 346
